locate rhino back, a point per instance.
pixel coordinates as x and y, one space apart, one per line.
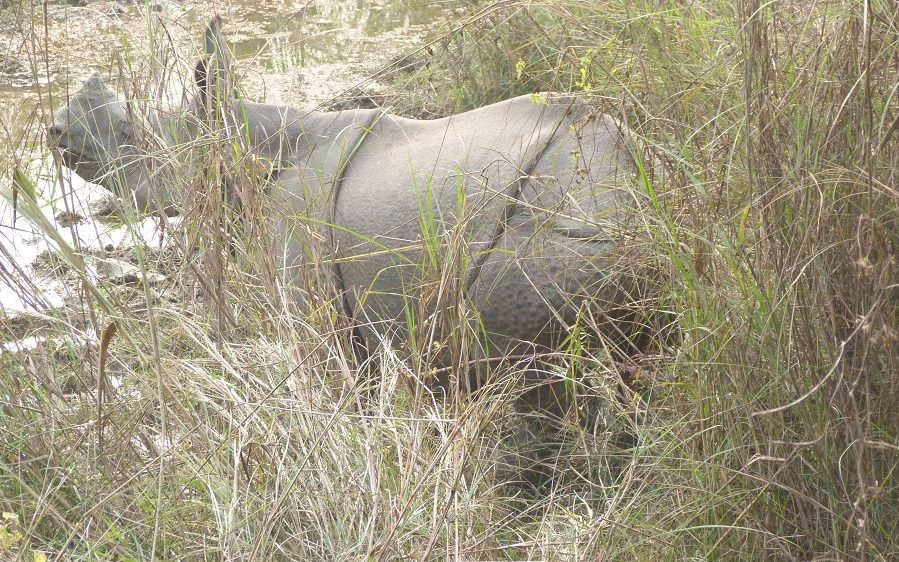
288 135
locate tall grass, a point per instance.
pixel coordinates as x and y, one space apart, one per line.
762 426
777 123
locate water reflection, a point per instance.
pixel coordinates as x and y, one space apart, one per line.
331 31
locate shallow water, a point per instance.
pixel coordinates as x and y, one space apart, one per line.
301 53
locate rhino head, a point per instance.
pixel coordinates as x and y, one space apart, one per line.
97 135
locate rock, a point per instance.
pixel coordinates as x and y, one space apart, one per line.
49 263
14 72
121 272
103 206
17 325
112 270
66 219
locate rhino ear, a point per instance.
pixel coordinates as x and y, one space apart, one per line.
201 78
213 38
219 56
212 72
94 82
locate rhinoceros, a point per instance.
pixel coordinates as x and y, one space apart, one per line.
522 202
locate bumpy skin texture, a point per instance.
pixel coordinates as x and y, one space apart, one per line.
99 137
527 191
92 130
531 190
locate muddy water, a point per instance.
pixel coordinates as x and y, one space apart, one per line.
297 52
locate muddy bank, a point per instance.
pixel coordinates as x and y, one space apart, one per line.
301 53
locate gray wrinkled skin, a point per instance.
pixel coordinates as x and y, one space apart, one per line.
527 193
97 135
530 191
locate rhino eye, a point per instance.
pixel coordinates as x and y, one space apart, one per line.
123 131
